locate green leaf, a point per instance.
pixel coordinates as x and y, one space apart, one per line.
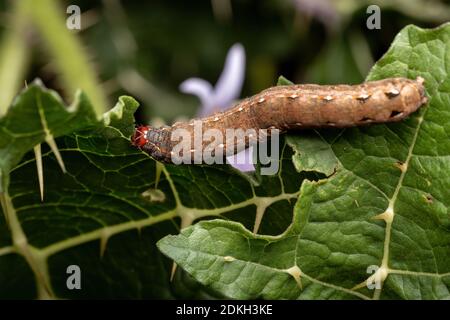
384 206
107 212
36 114
282 81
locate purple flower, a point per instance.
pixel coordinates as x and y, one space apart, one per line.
222 95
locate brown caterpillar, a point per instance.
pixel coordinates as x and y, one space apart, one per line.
296 107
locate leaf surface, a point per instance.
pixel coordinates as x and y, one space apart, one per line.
382 214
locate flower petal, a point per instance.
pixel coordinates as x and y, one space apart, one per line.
201 88
229 86
243 161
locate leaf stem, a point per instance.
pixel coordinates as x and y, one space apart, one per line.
69 56
14 58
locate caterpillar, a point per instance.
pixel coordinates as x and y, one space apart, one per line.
294 107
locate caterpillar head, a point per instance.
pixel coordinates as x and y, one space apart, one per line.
154 141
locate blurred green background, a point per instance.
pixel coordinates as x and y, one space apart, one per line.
147 48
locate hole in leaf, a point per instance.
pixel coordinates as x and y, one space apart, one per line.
429 198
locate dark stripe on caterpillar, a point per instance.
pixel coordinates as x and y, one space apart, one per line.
299 107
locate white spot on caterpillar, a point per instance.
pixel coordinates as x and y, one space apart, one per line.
392 93
261 100
216 119
395 91
363 97
221 145
293 96
240 109
328 98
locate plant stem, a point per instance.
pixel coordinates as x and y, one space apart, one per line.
14 59
69 56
